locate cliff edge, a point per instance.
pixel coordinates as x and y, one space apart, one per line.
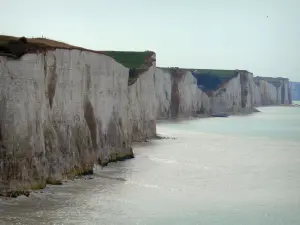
63 108
183 92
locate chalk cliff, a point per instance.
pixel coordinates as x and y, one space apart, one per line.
142 104
295 90
234 96
274 90
191 92
177 94
62 110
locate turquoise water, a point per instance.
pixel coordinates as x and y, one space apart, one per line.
274 122
229 171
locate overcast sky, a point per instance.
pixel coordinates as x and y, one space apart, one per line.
261 36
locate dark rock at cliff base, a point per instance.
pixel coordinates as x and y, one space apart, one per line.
159 137
15 194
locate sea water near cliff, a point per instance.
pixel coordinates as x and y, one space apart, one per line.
242 170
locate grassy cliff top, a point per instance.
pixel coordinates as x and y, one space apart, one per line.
276 81
129 59
218 73
204 72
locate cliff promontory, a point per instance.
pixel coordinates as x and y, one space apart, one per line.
197 92
63 108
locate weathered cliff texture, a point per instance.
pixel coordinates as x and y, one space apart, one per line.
190 92
60 111
274 90
177 94
142 104
268 93
64 110
236 95
230 91
295 91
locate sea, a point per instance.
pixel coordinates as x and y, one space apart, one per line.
240 170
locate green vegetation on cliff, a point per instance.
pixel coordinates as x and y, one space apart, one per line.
218 73
137 62
16 47
129 59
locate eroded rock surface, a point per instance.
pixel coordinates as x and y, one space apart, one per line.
64 110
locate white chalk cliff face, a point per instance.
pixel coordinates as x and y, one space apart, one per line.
287 94
163 89
227 98
268 93
295 90
177 94
238 95
64 110
273 90
142 105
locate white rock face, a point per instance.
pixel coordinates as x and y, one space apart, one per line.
273 90
177 94
62 111
286 90
142 105
268 93
227 98
295 91
163 90
238 95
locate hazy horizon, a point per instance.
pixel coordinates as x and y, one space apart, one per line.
261 37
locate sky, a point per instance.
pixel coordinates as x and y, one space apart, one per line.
261 36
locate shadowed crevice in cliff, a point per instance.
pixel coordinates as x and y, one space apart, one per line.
2 111
176 76
88 76
134 75
90 119
52 83
290 96
282 93
89 114
116 147
244 89
52 153
1 137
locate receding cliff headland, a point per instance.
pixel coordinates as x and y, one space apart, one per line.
295 90
64 108
204 92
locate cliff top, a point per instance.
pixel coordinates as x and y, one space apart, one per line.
218 73
276 81
16 47
205 72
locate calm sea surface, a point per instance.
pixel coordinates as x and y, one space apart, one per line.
242 170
